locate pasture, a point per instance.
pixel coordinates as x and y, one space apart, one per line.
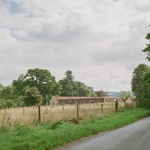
30 115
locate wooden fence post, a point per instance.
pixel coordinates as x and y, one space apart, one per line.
63 106
23 110
132 105
39 113
97 103
125 104
112 104
77 111
102 108
116 105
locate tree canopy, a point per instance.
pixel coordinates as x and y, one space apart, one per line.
70 87
101 93
141 85
44 81
147 49
141 80
33 96
67 84
1 86
7 92
19 85
39 78
38 86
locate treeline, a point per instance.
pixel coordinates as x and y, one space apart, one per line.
141 85
37 86
141 80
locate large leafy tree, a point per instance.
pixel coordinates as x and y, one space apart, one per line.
145 100
7 93
147 49
44 81
83 90
74 88
19 86
67 84
141 85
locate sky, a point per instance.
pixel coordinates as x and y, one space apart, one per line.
100 41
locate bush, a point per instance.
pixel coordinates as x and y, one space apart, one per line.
7 103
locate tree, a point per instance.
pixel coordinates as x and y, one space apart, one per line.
1 87
91 92
83 90
74 88
19 86
141 85
67 84
144 101
44 81
147 49
33 96
124 95
69 75
101 93
7 93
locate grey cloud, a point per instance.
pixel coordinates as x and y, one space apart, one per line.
100 41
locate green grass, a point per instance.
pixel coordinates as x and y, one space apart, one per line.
48 136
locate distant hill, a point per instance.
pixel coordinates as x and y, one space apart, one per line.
113 94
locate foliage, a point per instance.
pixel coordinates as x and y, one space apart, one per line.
69 75
124 95
141 80
19 86
83 90
1 87
141 85
32 96
67 84
40 78
46 85
8 98
7 103
147 49
101 93
145 100
74 88
44 81
7 92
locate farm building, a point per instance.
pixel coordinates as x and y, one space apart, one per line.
58 100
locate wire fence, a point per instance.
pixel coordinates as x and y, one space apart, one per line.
40 114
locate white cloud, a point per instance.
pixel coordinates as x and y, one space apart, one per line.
100 41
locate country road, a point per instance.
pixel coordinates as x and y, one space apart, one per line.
135 136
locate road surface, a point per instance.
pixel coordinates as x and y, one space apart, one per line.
135 136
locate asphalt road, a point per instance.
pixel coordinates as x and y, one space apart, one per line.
135 136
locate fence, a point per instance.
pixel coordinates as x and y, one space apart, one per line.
38 114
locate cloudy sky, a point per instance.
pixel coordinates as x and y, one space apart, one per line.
100 41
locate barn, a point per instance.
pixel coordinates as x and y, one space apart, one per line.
59 100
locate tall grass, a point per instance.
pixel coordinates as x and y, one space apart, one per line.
29 115
51 135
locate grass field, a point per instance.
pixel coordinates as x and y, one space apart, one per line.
47 136
29 115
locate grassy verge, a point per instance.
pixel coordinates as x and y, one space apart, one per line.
49 136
